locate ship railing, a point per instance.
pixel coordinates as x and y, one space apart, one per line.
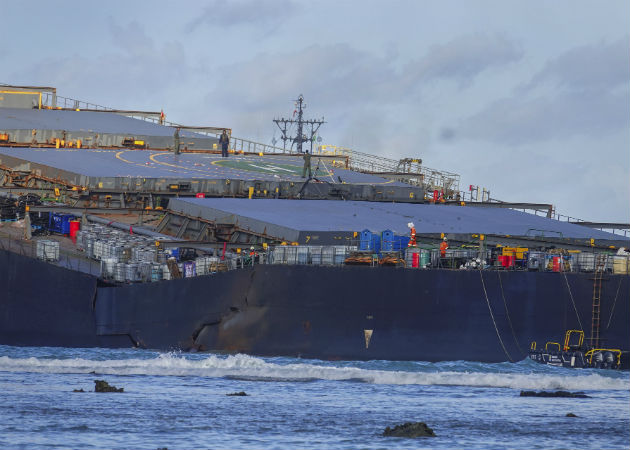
432 179
52 101
247 146
61 257
341 255
476 194
455 258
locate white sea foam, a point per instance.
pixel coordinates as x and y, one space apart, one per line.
249 367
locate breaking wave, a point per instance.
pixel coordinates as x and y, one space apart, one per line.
258 369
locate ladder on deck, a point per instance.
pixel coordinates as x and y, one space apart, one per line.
600 264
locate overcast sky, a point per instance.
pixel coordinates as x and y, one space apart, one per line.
530 99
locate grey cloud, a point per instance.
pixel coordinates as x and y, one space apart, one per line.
447 134
463 58
224 13
582 92
343 79
341 74
130 75
131 38
334 74
602 66
521 120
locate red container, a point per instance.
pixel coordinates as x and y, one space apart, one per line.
557 263
75 226
506 260
415 260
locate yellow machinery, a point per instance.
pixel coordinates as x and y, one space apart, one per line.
595 351
567 338
517 252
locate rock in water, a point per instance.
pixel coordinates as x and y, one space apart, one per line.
78 390
103 386
409 430
237 394
563 394
571 415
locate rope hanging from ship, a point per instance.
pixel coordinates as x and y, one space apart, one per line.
507 313
483 284
612 310
572 300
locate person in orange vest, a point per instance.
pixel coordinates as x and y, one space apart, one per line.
443 247
412 240
252 255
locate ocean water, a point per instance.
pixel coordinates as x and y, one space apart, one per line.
178 400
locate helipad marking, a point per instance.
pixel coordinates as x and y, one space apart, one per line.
263 168
281 168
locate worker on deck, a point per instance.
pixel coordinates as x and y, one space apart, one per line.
307 165
412 239
252 255
176 141
224 140
443 247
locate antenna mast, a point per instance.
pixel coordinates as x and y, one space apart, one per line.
300 137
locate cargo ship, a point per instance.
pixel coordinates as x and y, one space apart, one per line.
120 229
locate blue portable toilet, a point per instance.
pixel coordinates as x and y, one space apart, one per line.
400 242
387 244
365 240
376 243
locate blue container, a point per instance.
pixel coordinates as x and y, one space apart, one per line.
60 223
174 252
400 243
387 244
365 240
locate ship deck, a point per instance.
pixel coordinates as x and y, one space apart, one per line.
162 164
328 221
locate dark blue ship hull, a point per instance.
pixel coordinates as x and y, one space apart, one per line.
311 311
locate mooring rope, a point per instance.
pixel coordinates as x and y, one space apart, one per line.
483 284
507 313
614 303
573 301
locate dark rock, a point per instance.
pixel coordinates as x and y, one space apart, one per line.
162 448
78 390
237 394
563 394
409 430
103 386
571 415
